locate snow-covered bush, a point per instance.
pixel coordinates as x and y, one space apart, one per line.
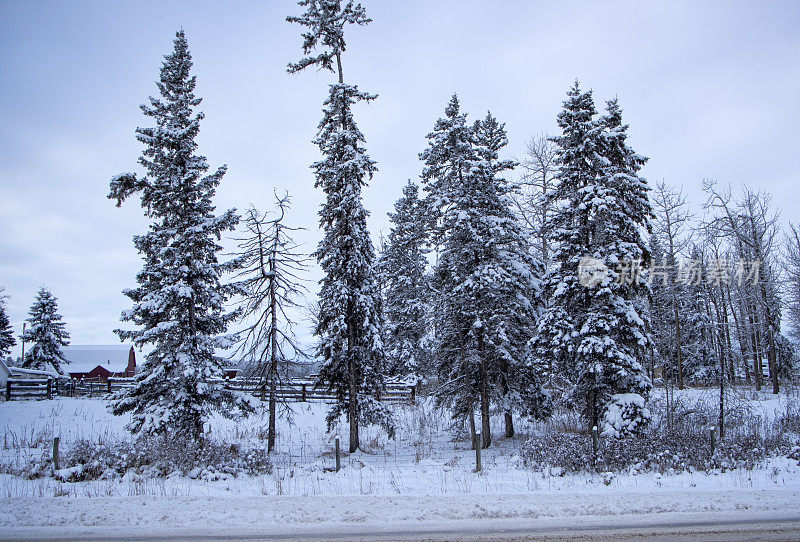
624 415
686 447
150 457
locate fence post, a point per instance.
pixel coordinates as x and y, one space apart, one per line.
109 385
8 390
338 454
413 394
478 466
55 453
594 447
303 398
713 439
49 389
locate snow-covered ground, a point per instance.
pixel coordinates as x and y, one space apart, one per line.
425 474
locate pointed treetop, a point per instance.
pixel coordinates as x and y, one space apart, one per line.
325 20
579 104
453 106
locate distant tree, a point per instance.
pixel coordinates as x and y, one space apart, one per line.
179 303
46 334
539 178
407 296
349 323
792 267
750 226
7 339
672 228
271 265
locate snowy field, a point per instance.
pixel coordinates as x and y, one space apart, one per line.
425 474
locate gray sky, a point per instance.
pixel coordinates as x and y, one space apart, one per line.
709 89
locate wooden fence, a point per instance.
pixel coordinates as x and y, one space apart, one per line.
289 390
302 389
21 388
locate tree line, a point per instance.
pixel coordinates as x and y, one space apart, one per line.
576 284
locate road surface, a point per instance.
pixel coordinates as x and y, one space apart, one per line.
645 528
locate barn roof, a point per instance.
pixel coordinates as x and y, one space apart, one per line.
84 358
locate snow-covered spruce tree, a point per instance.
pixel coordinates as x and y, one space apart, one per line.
509 282
486 281
349 323
7 339
406 293
271 265
46 334
448 162
178 304
593 327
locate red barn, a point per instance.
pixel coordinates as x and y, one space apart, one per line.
99 361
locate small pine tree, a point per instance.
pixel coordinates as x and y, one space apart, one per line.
7 339
406 290
46 333
179 303
349 322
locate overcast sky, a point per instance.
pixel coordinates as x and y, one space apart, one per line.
710 90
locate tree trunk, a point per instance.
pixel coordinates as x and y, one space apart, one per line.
755 343
740 336
273 362
726 302
273 402
509 425
722 397
352 406
678 338
486 432
472 427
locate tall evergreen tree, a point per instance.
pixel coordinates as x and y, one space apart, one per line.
46 333
486 280
7 339
593 325
179 302
406 290
510 279
349 323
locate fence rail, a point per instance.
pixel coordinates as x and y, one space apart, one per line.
39 388
290 390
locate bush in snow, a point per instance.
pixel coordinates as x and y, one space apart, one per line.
156 456
686 447
624 415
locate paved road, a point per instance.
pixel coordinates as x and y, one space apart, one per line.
736 530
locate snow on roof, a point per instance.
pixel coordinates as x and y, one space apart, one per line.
15 371
84 358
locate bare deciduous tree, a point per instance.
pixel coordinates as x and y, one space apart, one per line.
752 226
671 226
792 268
536 184
272 264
